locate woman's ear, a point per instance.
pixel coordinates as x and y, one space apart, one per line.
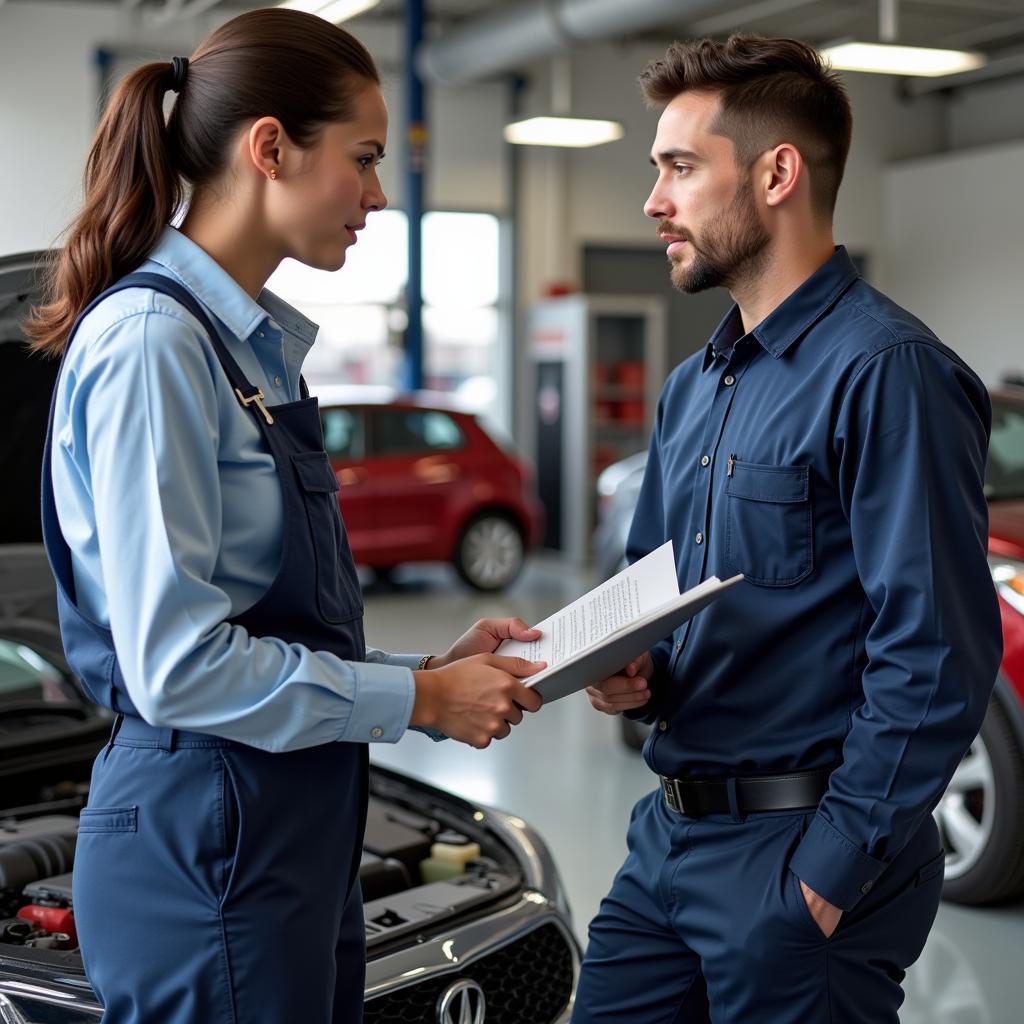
267 146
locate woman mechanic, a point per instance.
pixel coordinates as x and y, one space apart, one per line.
206 588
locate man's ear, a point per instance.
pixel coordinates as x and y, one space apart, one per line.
784 172
267 144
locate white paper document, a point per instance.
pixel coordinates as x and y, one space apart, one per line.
599 634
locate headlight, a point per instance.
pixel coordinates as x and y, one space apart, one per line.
1008 576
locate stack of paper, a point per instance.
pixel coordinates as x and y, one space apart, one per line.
602 632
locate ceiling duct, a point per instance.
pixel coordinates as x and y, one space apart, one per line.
520 34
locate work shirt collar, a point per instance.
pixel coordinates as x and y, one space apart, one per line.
224 296
793 317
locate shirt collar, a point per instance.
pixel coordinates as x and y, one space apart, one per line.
794 316
222 295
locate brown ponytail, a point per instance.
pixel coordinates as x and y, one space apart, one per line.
275 62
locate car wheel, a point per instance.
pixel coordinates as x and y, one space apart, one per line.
490 553
981 817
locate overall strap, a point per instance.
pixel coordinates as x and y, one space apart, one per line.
250 396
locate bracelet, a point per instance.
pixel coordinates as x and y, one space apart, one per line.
424 661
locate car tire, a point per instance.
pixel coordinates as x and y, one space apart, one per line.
981 817
491 552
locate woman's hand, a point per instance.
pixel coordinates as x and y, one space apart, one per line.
483 637
476 699
628 690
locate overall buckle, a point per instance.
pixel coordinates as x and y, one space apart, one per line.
256 398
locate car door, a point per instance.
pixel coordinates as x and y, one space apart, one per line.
416 470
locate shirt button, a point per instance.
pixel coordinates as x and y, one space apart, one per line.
663 726
699 538
277 382
377 732
679 645
729 380
705 461
867 887
260 334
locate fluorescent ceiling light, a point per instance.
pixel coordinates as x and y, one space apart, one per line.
562 131
888 59
331 10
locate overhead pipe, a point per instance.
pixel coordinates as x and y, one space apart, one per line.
523 33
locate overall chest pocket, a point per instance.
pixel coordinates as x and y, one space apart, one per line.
769 534
337 585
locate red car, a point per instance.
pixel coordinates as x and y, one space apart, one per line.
422 481
981 814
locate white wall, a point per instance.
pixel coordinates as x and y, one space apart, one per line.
49 86
986 114
954 226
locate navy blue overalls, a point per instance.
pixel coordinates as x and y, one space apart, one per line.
216 883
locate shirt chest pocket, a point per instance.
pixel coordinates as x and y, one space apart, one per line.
769 533
337 585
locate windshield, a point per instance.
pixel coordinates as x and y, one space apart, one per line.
25 676
1004 473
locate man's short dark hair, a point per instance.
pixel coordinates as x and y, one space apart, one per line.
772 91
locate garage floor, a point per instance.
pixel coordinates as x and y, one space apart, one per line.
567 773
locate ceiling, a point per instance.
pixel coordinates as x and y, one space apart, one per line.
988 25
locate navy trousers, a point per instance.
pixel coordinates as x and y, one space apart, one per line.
213 898
705 922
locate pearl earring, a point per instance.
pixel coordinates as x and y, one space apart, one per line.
273 175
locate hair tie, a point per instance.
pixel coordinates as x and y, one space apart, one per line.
179 68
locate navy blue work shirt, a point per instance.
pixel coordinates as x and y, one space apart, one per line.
835 456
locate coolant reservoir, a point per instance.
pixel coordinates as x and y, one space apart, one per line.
449 855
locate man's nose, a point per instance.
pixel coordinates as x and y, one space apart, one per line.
658 205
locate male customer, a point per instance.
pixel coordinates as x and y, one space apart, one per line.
826 445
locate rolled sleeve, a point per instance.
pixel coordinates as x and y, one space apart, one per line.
835 868
383 703
411 662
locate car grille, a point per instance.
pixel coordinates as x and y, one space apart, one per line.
529 981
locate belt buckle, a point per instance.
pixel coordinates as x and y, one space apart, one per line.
670 790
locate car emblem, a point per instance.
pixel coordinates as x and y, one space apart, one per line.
461 1003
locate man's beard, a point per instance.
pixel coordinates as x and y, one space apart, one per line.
732 247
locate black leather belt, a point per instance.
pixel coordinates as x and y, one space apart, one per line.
747 794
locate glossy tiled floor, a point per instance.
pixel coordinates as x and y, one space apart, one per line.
567 773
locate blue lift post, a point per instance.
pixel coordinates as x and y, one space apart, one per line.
416 157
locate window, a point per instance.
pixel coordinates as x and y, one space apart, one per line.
1004 474
25 676
414 431
362 317
343 433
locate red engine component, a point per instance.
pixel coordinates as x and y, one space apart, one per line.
51 919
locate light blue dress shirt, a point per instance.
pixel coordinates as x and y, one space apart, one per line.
171 505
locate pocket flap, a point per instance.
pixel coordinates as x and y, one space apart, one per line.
108 819
315 473
768 483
